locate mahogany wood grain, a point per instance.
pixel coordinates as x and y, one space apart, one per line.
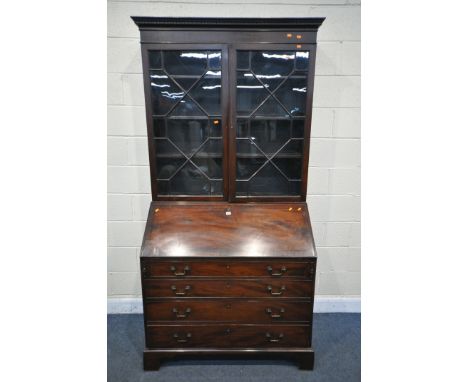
229 310
219 268
226 336
206 229
273 288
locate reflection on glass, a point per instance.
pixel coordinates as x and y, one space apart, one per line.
271 94
272 63
165 93
214 60
185 63
207 92
302 60
187 108
292 94
187 122
250 94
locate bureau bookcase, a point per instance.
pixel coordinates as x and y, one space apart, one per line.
228 257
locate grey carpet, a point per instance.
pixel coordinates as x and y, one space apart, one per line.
336 341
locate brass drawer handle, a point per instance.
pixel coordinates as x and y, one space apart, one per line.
181 340
274 315
281 272
181 315
282 289
174 271
271 339
179 293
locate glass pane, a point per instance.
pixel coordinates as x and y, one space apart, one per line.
207 92
214 60
216 187
185 62
243 128
242 188
271 81
292 94
294 147
213 167
291 167
159 127
168 166
269 181
186 82
270 135
302 60
271 94
250 94
271 108
273 63
186 90
246 167
187 107
165 93
165 148
249 159
189 180
298 128
154 59
247 146
188 134
214 147
216 128
243 60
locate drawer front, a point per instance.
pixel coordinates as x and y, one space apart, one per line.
249 311
272 268
227 336
228 288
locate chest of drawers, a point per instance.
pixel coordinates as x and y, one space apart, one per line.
222 279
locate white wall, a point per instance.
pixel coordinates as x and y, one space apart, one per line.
334 167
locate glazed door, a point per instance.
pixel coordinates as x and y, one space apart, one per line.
186 104
270 120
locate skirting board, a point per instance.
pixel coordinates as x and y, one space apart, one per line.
328 304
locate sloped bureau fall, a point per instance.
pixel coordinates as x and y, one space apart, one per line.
228 257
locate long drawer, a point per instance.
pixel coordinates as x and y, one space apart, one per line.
227 336
222 310
227 288
211 268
